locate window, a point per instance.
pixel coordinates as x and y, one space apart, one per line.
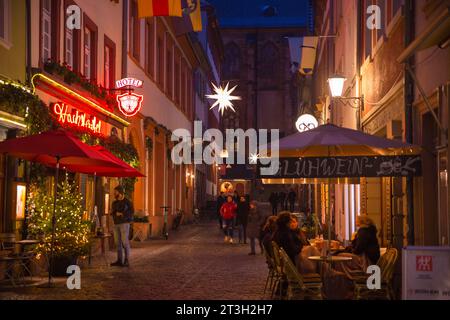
87 52
160 60
90 49
134 30
71 44
177 80
184 106
169 68
150 46
366 33
109 64
5 22
46 30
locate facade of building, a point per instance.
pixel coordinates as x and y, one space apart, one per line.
257 60
13 75
70 58
375 63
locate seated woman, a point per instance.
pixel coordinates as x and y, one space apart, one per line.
286 237
364 251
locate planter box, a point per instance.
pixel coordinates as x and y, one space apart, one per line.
141 231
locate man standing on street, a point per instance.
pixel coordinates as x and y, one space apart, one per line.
122 213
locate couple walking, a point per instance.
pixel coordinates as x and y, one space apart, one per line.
245 217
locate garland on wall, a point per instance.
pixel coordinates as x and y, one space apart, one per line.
16 99
72 77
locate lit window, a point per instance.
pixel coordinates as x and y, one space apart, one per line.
107 79
5 23
46 30
87 52
69 47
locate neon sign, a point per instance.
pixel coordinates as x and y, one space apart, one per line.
129 82
76 118
130 103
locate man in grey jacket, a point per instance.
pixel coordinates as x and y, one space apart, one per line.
122 213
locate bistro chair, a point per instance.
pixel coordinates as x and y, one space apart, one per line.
280 277
7 241
387 266
300 287
18 267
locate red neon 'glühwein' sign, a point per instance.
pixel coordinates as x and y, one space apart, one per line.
72 116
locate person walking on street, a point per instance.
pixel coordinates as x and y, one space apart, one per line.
236 197
255 219
228 213
243 208
219 202
282 200
292 196
122 213
273 199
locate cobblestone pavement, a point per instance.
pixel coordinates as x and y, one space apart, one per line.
193 264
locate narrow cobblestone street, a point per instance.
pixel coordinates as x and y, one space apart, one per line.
193 264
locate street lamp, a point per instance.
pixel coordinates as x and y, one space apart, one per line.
336 84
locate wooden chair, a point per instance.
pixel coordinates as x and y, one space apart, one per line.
300 287
272 275
280 277
387 266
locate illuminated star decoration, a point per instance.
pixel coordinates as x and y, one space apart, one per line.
223 98
253 158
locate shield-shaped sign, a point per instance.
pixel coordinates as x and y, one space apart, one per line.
130 103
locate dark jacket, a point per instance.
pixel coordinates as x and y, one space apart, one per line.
289 241
242 213
220 201
255 218
126 208
366 242
273 199
292 196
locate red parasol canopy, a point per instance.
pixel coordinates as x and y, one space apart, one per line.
60 146
124 169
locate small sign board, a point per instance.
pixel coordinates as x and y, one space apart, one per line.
426 273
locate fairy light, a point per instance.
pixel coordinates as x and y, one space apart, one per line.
77 96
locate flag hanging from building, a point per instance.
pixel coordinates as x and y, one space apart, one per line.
153 8
308 55
195 15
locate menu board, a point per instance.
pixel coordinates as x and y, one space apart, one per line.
426 273
357 166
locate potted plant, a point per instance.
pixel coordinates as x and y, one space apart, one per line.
72 230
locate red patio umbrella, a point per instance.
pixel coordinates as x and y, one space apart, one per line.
56 148
123 169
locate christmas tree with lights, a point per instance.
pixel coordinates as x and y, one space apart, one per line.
72 230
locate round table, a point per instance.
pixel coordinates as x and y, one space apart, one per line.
24 243
330 258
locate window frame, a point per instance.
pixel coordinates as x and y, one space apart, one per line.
108 43
135 30
92 27
150 47
6 39
76 41
54 31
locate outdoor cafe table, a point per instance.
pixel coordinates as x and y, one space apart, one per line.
330 259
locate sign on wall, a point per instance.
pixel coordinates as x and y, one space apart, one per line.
129 103
346 167
426 273
69 115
